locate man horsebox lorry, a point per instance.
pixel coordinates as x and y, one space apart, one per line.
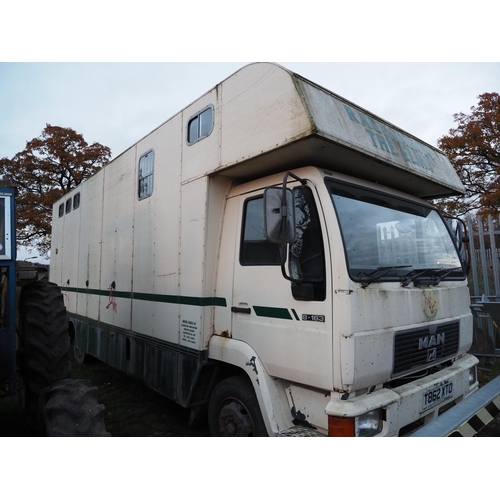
267 257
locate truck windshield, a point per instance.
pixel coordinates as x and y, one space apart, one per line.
392 239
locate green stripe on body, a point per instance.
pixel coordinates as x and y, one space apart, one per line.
272 312
152 297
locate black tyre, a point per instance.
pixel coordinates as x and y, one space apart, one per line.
45 354
70 408
233 410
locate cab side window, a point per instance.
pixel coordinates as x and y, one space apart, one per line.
255 250
306 256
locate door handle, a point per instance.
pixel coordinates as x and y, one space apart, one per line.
244 310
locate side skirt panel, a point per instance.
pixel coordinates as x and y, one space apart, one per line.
170 369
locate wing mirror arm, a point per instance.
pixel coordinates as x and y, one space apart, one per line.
279 218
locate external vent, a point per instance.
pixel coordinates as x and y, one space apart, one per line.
422 347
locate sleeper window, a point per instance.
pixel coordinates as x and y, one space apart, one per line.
200 125
146 171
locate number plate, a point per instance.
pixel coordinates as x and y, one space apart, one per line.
438 394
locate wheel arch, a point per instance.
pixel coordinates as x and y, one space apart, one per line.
235 357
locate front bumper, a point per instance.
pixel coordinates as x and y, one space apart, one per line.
420 400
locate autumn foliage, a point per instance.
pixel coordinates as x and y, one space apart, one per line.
49 166
473 148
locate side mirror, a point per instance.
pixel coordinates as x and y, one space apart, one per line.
459 231
279 215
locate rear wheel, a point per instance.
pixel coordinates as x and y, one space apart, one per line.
233 410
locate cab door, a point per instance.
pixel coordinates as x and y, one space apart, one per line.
288 324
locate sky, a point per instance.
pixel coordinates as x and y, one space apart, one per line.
116 104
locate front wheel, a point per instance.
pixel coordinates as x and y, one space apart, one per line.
233 410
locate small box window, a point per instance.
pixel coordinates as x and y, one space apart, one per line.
76 201
61 209
68 206
146 172
200 125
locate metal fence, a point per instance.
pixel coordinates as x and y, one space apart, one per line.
484 283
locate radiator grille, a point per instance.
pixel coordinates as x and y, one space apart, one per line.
422 347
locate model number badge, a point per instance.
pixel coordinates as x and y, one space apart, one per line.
313 317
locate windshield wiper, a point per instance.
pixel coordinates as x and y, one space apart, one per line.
437 274
415 273
446 272
380 272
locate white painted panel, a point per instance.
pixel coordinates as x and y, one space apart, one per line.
89 244
92 199
143 314
218 189
203 155
57 244
165 322
261 111
193 220
117 237
70 250
157 238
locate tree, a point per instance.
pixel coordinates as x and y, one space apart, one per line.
50 166
473 148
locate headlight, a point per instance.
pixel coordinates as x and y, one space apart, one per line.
369 424
366 425
472 375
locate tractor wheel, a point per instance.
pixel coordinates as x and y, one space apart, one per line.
69 408
44 343
233 410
